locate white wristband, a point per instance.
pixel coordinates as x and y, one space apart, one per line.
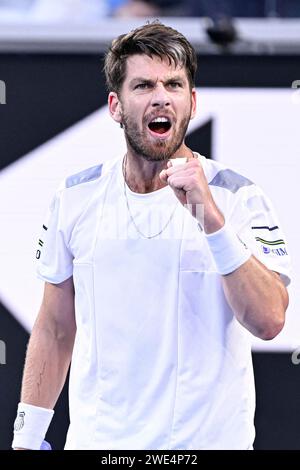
228 250
30 426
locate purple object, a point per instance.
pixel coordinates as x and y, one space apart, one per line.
45 446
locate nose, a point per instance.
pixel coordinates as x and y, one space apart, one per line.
160 96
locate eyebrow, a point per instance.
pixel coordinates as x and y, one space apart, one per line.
140 80
176 78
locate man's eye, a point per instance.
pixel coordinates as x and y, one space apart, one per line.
175 84
141 86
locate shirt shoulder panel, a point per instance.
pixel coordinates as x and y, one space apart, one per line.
231 180
89 174
219 175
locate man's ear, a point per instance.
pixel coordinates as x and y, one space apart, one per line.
194 102
115 107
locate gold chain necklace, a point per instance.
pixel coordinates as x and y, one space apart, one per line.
130 213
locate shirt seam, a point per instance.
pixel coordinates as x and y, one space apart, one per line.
177 365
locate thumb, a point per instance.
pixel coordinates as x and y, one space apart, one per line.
163 176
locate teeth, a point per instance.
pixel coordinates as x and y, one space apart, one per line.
160 119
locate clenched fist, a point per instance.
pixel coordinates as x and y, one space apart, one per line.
190 185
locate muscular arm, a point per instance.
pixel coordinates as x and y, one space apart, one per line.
50 346
257 297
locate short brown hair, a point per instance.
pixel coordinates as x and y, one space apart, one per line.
153 39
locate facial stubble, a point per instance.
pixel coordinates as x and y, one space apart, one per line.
161 150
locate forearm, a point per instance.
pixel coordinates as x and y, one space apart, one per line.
257 297
47 362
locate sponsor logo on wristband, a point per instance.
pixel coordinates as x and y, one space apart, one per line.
19 422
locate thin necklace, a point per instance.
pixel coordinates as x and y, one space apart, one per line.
130 213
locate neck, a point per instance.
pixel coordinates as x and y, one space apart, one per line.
142 176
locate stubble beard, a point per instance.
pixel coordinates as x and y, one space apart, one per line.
161 150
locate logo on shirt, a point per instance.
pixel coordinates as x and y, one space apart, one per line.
281 251
41 244
19 422
276 250
280 241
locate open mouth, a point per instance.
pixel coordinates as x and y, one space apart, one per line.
160 125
